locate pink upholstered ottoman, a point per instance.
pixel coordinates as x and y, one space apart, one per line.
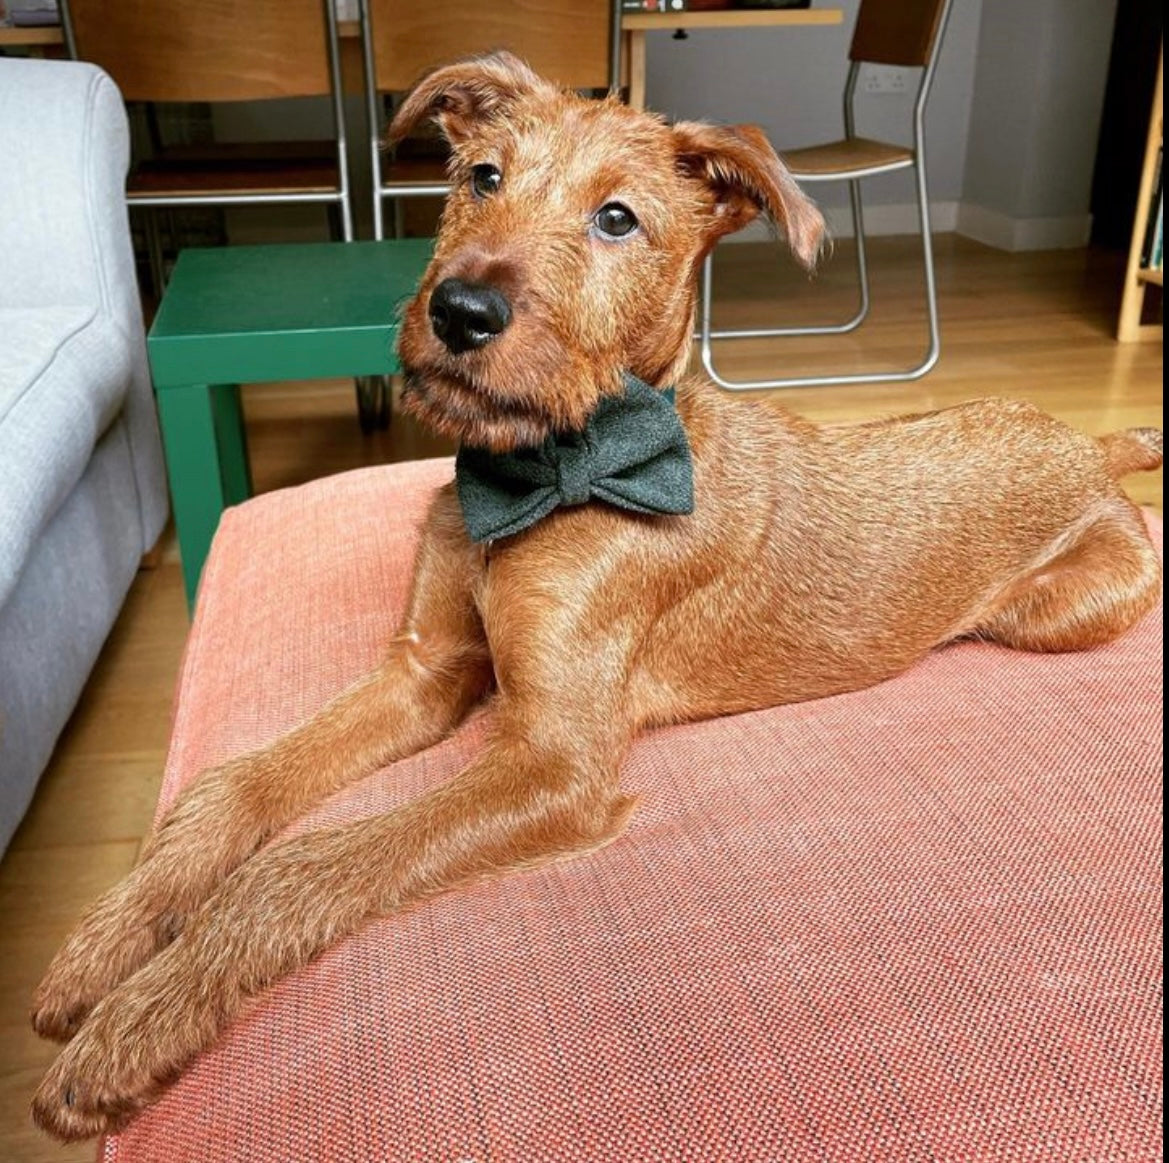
921 922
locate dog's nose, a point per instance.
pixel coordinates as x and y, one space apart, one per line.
466 316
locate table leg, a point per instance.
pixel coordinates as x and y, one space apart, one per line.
234 466
636 41
206 459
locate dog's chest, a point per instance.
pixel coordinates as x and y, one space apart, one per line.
520 590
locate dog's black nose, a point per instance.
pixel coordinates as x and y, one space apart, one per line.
466 316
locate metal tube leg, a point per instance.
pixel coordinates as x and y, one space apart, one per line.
154 252
704 301
851 324
862 266
378 219
931 288
367 402
913 373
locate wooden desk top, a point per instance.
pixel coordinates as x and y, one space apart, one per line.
630 22
31 37
738 18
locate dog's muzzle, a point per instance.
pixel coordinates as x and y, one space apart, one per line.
467 316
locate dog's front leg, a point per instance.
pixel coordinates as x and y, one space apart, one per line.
520 805
432 673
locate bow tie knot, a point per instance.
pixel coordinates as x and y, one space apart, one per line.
573 469
632 453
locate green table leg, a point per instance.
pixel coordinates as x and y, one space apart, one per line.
207 465
234 466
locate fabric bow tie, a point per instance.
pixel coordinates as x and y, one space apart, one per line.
632 453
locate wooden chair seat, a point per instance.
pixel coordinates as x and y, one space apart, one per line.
847 156
299 167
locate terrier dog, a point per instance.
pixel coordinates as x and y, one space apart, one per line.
623 548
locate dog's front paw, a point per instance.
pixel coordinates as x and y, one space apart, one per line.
105 949
97 1084
59 1007
132 1046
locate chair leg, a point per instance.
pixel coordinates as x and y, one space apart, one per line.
706 333
862 263
366 402
373 403
385 403
931 285
373 392
154 251
850 324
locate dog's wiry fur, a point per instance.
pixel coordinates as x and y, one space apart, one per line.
818 560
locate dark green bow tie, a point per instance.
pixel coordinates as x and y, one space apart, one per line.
632 453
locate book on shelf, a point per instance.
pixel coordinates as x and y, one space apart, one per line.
1152 243
1155 258
29 13
654 5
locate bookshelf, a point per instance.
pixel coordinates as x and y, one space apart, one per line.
1139 275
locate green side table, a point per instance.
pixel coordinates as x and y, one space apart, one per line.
249 314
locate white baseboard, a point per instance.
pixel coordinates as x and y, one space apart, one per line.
999 230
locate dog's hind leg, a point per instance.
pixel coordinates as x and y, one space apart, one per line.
434 671
1089 592
518 806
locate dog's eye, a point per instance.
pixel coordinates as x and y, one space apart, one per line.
485 180
614 220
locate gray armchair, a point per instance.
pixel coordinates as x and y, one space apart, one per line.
82 487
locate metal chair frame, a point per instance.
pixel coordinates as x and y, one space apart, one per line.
340 198
706 333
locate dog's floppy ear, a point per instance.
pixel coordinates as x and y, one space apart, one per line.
745 177
459 94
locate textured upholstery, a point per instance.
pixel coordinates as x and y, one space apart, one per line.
63 384
59 612
919 922
82 490
64 233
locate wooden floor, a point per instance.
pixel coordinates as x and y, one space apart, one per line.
1033 326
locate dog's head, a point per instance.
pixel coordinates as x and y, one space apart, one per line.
569 248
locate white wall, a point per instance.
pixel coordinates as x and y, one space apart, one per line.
1039 93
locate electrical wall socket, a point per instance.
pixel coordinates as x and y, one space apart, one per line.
884 79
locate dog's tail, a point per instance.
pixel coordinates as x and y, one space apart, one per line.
1133 450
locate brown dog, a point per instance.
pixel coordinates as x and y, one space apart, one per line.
815 560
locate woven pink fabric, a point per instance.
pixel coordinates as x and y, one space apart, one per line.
919 922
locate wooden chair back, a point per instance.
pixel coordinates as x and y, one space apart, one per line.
565 40
896 32
209 50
